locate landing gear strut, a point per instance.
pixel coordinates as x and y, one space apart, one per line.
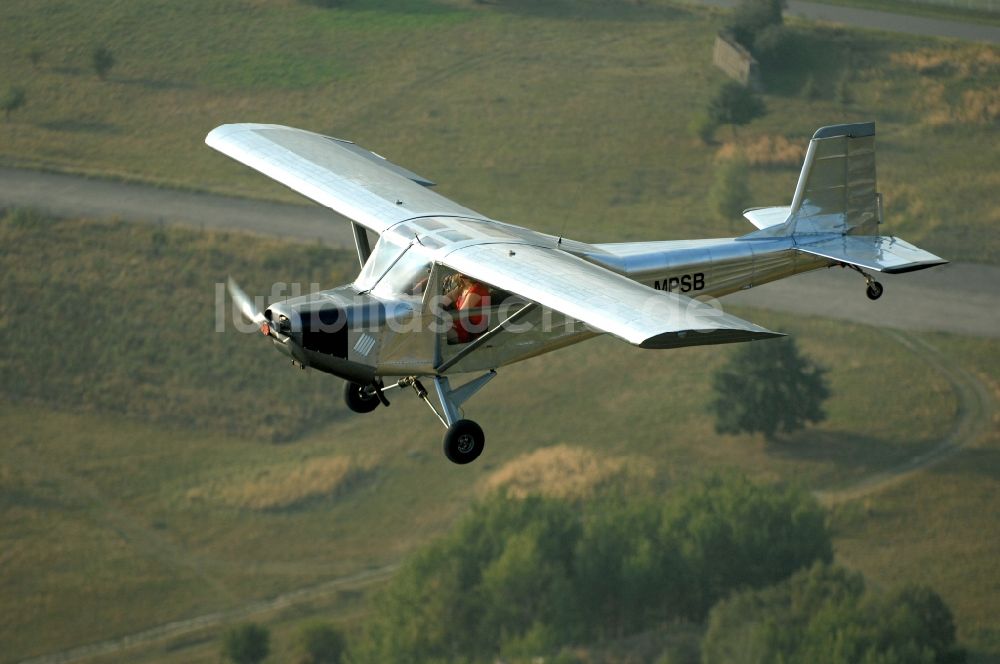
464 440
874 289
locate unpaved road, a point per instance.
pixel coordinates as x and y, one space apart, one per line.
878 20
976 416
180 628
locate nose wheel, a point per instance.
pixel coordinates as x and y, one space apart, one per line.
361 398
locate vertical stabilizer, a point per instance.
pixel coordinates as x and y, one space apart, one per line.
836 192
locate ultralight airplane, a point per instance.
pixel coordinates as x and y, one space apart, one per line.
447 290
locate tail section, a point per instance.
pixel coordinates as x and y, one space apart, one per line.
836 209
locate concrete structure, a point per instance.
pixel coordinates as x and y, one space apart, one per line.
731 57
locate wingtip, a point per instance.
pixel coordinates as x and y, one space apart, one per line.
707 337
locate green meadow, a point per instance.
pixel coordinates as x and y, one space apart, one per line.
156 470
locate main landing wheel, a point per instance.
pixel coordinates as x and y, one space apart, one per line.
874 290
360 398
464 442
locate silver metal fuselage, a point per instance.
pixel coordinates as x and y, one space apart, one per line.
367 337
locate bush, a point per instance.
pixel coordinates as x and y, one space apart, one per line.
102 60
246 644
703 128
842 93
770 44
14 99
734 104
321 644
810 90
768 387
730 193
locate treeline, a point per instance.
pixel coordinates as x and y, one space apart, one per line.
823 614
746 568
522 578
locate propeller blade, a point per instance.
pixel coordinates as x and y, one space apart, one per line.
245 304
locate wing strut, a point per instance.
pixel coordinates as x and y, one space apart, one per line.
471 348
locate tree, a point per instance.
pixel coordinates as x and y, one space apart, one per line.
823 614
321 644
246 644
14 99
768 387
526 578
732 533
730 194
102 60
771 44
752 17
734 104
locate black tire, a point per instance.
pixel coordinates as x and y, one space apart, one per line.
874 290
359 398
464 442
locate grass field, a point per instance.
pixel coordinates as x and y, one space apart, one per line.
937 528
556 115
119 504
154 470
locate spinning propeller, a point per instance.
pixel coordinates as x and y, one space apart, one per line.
247 307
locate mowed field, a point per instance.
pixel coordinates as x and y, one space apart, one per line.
155 470
562 116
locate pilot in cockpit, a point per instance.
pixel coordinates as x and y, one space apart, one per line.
466 293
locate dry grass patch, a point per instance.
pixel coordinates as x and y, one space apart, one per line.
564 471
289 486
965 61
976 106
959 87
764 151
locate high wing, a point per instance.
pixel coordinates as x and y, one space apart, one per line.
601 298
361 185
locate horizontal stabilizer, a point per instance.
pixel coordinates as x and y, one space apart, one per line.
765 217
873 252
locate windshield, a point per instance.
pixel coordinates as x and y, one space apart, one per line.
407 269
406 278
385 252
